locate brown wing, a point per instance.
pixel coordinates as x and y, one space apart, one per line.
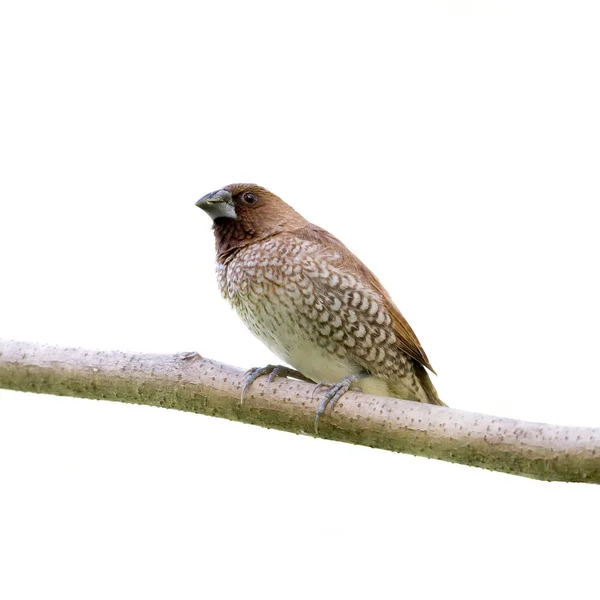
405 336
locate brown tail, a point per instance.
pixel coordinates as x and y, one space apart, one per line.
425 381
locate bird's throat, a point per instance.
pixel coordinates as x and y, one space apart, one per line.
230 235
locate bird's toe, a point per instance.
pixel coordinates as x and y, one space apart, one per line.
271 371
320 384
334 393
251 375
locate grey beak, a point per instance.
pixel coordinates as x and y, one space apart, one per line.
218 204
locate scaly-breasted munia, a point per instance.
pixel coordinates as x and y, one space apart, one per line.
311 301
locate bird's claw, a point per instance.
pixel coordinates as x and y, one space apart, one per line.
319 384
271 371
276 372
251 375
334 393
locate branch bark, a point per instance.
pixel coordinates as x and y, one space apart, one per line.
200 385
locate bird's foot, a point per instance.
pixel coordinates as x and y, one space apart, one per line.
272 371
334 393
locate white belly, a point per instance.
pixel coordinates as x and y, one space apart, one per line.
319 365
291 341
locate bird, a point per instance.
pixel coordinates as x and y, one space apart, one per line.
312 302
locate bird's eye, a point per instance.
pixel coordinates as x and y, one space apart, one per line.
249 198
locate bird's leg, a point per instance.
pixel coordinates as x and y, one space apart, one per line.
335 392
272 371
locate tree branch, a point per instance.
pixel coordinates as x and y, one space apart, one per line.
200 385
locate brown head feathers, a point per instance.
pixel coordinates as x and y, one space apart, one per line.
258 214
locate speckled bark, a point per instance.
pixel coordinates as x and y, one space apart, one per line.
549 452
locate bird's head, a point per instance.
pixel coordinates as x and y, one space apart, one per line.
244 212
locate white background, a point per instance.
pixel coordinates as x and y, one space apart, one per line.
453 145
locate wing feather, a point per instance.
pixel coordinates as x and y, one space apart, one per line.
405 336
